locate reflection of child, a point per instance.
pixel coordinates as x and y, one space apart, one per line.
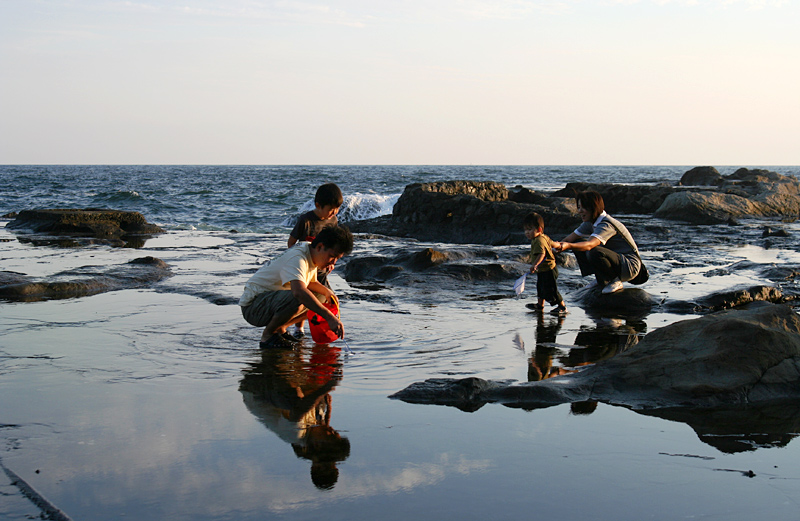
543 263
327 202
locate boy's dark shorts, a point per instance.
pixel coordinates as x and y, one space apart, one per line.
270 303
546 286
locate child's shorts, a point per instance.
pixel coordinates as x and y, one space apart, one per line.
546 286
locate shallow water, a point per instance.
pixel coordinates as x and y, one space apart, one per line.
157 404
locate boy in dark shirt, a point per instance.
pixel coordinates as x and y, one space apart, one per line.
327 202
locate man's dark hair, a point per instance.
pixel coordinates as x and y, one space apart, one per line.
533 221
592 201
336 237
329 194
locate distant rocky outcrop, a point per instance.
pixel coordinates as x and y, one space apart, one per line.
86 280
745 193
466 212
733 357
618 198
111 225
485 212
701 176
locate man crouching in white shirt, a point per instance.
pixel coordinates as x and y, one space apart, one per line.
282 290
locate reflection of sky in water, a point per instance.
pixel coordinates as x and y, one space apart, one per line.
698 276
128 403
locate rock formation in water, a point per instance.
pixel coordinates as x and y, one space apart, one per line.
110 225
745 193
466 212
732 357
481 212
86 280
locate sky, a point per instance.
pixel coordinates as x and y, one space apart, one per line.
500 82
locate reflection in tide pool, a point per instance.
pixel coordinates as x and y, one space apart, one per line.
157 404
289 391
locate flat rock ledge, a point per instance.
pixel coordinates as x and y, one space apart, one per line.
83 281
89 222
730 358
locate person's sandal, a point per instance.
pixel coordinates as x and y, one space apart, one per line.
277 341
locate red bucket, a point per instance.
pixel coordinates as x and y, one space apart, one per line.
320 331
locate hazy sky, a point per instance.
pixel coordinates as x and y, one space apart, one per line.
703 82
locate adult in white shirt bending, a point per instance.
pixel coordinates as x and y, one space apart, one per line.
281 291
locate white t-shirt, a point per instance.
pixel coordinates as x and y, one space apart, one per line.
293 264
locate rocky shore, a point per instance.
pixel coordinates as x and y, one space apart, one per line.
482 212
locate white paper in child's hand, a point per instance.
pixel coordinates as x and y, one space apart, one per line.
519 285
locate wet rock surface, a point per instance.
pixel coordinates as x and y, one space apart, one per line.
110 225
735 357
86 280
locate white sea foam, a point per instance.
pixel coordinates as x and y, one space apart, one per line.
355 207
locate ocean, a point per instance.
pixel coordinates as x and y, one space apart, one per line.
266 199
154 402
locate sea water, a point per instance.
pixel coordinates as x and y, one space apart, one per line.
156 403
268 198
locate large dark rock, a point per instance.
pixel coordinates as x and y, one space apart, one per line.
465 212
740 296
630 300
90 222
745 193
87 280
643 199
707 207
701 176
483 212
733 357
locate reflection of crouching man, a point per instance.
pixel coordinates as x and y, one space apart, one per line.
281 291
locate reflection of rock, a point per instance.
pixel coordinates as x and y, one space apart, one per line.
732 357
592 344
738 429
91 222
87 280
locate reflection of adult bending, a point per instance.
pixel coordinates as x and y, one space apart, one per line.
289 393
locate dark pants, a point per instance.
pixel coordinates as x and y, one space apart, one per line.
546 286
601 262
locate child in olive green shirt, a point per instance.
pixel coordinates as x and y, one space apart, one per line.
543 263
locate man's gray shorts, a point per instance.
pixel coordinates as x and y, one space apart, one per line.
271 303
